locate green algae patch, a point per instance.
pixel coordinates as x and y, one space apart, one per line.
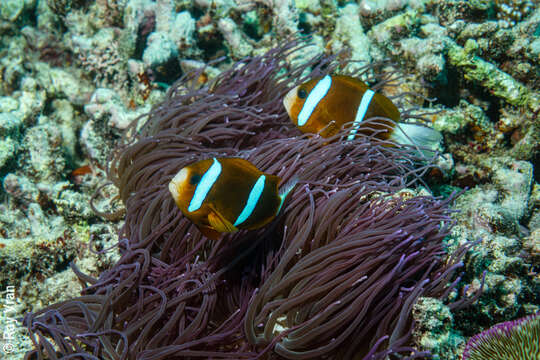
83 232
490 77
395 27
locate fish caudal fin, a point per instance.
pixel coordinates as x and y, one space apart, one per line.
426 139
285 190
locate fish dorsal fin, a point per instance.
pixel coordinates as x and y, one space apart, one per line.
243 164
352 82
219 223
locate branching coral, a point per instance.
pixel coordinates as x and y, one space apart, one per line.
335 275
104 65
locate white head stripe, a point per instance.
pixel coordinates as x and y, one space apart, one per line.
315 96
361 112
204 186
253 198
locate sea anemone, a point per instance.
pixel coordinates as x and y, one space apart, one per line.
511 340
334 276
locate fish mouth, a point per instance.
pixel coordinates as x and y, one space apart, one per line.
288 101
176 184
173 188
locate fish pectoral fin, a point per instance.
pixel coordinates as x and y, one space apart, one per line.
209 232
333 128
219 223
329 130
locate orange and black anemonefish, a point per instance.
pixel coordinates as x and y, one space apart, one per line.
227 194
323 105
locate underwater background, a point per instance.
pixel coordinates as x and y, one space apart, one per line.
74 74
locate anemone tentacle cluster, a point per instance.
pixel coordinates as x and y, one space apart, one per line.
334 276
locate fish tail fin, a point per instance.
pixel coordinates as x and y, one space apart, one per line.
286 189
426 139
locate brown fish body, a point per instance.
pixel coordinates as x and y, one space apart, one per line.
324 105
226 194
340 106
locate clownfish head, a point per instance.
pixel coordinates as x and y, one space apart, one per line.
301 101
185 182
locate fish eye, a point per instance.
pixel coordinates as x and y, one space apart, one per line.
195 179
302 94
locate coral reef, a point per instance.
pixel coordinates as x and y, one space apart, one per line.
493 212
326 279
74 74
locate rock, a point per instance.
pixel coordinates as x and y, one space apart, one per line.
11 9
108 116
236 43
43 154
159 49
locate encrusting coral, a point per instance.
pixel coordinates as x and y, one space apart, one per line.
334 276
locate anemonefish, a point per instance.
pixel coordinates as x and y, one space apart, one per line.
324 105
226 194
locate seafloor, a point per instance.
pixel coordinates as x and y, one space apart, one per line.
74 73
